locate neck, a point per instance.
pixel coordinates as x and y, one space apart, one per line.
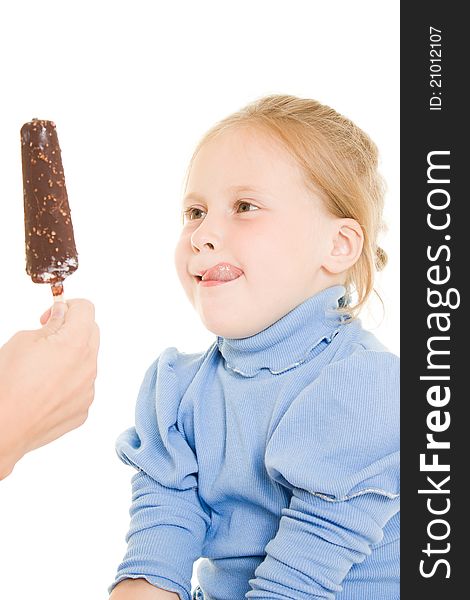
291 340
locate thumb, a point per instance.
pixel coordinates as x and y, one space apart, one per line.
56 318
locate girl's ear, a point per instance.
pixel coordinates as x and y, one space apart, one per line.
346 247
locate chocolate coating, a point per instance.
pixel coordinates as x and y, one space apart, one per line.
51 254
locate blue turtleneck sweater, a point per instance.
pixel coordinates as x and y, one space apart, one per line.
276 458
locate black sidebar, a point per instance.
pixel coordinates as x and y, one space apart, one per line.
435 264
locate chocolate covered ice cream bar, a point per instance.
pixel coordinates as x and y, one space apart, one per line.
51 255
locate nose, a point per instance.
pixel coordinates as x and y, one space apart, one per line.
206 237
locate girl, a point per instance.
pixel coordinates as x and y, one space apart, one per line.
274 454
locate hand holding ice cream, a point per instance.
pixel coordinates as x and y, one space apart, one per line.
47 380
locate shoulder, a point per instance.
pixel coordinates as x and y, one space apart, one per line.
361 362
364 363
180 365
167 379
156 445
182 361
360 381
359 388
346 422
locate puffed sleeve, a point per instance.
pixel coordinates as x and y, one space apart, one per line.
336 448
168 524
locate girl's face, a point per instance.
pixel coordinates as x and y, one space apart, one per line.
260 234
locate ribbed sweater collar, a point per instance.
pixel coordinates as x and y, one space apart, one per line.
294 338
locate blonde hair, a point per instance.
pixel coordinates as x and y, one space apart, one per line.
336 157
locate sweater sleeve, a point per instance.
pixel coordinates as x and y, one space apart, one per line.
168 524
336 448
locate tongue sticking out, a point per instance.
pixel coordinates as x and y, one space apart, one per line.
222 272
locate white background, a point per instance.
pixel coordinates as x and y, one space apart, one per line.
132 87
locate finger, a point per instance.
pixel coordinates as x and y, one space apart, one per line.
56 319
79 320
45 316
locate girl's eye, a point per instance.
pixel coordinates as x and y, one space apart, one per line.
193 213
245 206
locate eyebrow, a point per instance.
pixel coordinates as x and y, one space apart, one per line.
232 188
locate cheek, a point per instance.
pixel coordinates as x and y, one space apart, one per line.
181 256
282 239
285 253
304 242
268 255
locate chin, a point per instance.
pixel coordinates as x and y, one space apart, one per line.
224 326
229 320
225 331
230 330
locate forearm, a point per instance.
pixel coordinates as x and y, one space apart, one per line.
317 543
139 589
165 536
12 446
